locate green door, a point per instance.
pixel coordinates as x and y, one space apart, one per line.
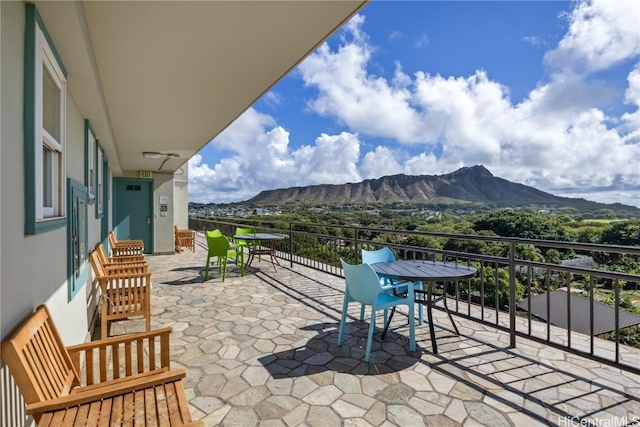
133 210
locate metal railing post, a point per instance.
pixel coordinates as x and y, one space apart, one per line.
355 244
291 245
512 294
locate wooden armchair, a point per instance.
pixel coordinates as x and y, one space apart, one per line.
185 239
140 387
125 292
118 260
124 247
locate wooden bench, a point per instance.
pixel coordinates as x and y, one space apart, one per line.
125 291
185 239
121 259
125 247
125 379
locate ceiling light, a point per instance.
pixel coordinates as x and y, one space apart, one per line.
151 155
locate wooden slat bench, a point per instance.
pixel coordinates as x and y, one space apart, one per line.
121 259
124 378
185 239
124 247
125 292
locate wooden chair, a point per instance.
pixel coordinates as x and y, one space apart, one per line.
124 247
125 292
122 259
185 239
140 387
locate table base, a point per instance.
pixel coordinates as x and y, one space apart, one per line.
263 251
429 302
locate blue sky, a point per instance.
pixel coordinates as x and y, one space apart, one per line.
543 93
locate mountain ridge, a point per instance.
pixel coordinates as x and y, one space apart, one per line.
475 184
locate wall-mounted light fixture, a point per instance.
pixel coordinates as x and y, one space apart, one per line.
156 155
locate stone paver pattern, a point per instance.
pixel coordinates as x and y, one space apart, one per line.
261 350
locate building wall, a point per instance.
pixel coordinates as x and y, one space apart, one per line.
181 197
164 236
33 268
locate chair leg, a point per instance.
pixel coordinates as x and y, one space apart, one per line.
241 263
104 323
412 327
372 327
206 269
343 319
224 266
420 306
361 311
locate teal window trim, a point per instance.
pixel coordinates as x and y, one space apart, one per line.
77 234
88 131
100 192
105 203
33 20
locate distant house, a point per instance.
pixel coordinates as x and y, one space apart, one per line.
581 262
580 307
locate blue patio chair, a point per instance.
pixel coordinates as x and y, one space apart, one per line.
220 247
363 286
395 287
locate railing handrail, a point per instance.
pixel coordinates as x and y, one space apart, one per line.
559 273
582 246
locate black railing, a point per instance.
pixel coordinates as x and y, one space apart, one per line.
504 278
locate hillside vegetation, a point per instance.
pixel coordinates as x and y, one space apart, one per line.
470 188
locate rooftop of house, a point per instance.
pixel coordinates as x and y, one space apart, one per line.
604 316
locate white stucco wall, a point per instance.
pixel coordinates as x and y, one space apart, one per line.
164 236
181 197
33 267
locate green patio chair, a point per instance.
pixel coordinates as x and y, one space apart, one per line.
220 247
249 244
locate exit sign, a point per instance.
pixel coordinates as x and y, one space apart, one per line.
145 174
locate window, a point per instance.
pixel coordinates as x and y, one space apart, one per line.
45 133
99 181
78 236
90 160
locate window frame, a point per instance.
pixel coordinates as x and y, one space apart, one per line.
77 279
40 147
99 196
90 173
106 195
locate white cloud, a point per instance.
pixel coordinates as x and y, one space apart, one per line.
262 159
422 41
601 33
556 139
396 36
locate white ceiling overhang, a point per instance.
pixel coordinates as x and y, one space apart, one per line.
168 76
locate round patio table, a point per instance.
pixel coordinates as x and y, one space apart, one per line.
268 249
428 272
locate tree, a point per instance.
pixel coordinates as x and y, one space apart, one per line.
489 274
626 233
529 253
509 223
475 246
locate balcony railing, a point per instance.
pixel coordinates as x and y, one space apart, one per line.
490 297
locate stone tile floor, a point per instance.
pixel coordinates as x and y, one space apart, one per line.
261 350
